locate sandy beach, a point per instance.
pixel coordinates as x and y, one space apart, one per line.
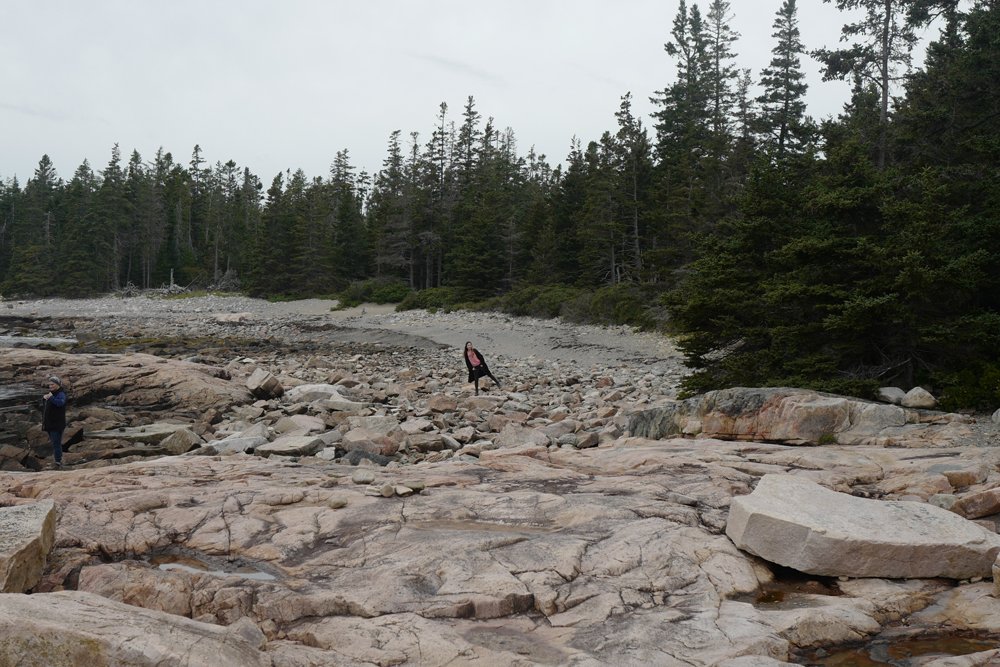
497 335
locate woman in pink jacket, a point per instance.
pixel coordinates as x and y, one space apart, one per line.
476 364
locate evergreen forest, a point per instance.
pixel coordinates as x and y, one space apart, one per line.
840 254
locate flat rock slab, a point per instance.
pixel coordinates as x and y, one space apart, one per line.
307 393
72 628
799 524
151 434
137 381
26 536
292 445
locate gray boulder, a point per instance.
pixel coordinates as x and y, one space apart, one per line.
181 441
264 385
893 395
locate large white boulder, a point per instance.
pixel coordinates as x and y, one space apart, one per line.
26 536
799 524
918 397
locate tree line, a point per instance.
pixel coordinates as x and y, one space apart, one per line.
839 253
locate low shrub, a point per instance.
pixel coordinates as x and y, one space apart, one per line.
631 304
544 301
975 388
373 290
435 297
624 304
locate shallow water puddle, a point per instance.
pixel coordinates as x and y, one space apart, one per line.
899 652
792 590
196 566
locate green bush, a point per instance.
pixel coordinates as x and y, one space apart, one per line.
436 297
537 300
280 298
976 388
629 304
391 293
373 290
623 304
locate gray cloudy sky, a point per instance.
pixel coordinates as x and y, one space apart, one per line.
285 85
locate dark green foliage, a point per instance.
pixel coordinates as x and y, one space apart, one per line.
543 301
436 297
625 304
373 290
976 387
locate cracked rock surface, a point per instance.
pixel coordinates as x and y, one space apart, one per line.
611 555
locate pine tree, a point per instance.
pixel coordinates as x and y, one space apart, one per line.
111 208
35 228
81 273
633 145
387 213
720 71
782 104
887 47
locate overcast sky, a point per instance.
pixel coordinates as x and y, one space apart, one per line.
279 85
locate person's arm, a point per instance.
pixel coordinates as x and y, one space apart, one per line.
59 400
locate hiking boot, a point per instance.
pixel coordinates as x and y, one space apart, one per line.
54 466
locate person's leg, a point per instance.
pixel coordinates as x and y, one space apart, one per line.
56 438
499 386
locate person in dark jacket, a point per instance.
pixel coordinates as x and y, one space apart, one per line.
476 364
54 418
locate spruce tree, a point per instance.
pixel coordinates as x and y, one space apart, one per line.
887 43
34 262
782 104
81 273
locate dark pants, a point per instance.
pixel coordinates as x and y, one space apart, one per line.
56 438
478 372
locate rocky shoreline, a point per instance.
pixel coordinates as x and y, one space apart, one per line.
286 488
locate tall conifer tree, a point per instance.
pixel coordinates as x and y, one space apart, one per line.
782 104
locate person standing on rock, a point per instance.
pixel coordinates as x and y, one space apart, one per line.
476 364
54 418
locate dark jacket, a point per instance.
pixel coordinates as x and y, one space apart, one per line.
484 369
54 412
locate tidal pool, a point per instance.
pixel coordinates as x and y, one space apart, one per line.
899 652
